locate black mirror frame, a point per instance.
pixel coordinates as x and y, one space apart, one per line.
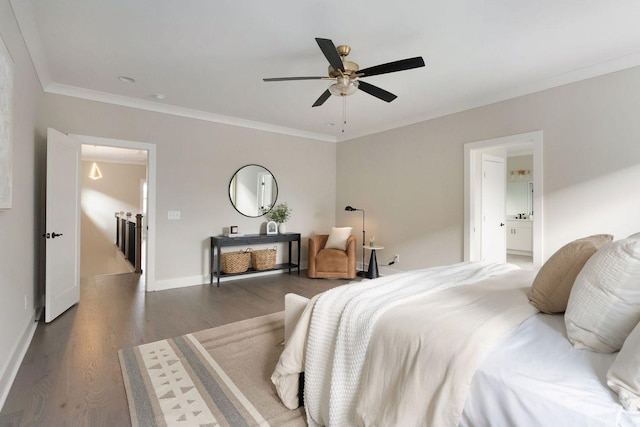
275 199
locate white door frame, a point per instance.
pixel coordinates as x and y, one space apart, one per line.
471 152
150 255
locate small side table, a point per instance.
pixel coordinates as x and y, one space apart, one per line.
373 262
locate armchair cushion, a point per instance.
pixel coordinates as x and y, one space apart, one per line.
338 238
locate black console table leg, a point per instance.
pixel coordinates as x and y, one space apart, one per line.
218 268
211 262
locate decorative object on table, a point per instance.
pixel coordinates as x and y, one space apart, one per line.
272 227
361 273
245 183
233 231
234 262
280 214
263 259
6 126
372 241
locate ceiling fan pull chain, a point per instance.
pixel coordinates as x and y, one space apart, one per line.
344 112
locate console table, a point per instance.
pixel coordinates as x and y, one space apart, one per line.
218 242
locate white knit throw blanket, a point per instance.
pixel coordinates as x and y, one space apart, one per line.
341 326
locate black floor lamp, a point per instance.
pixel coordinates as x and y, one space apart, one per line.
352 209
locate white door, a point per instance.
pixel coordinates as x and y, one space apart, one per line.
494 183
265 191
62 280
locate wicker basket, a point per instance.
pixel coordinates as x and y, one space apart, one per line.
263 259
234 262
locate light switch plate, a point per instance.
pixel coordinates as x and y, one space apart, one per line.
173 215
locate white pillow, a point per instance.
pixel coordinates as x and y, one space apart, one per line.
604 304
624 375
338 238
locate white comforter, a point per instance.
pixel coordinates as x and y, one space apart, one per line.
338 338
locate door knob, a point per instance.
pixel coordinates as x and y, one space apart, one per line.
51 235
501 224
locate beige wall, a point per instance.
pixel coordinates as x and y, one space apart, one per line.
410 180
19 237
195 161
118 190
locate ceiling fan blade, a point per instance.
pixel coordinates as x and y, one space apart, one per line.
325 95
331 53
392 67
376 91
284 79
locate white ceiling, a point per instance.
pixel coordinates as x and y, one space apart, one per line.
209 57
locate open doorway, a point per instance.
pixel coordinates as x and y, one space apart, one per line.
519 205
109 189
510 145
126 168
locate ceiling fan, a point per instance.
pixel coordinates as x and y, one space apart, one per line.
347 74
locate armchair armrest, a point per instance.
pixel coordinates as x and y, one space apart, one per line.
351 254
316 243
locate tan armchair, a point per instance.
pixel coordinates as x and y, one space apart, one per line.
331 263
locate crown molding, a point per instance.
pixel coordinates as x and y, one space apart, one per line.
142 104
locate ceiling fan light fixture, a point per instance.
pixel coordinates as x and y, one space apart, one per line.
344 86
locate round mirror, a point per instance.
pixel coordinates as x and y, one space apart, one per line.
253 190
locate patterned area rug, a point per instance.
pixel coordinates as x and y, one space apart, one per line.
216 377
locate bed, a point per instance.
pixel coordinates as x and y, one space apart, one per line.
368 354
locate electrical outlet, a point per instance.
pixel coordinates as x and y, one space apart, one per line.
173 215
396 258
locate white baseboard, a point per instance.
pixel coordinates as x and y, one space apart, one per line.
11 370
183 282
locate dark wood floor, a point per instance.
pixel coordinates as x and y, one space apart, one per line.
71 375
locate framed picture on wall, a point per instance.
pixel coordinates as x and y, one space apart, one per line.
272 227
6 123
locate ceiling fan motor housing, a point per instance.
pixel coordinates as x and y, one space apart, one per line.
350 69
